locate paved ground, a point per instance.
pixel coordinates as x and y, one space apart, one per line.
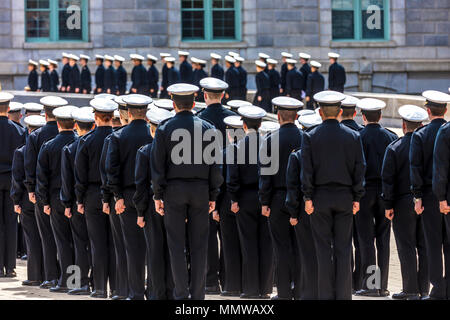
11 289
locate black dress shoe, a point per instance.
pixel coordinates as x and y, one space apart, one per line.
403 296
83 291
368 293
249 296
30 283
98 294
428 298
264 296
230 294
118 298
212 290
24 257
59 289
384 293
279 298
2 274
48 284
10 274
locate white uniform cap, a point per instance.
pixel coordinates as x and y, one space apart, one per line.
263 55
84 114
103 105
269 126
157 115
329 97
34 63
44 63
137 101
310 120
194 60
215 56
350 102
261 64
164 55
119 58
64 113
183 53
234 122
200 105
109 58
65 55
272 61
413 113
5 97
182 89
240 59
287 55
119 101
33 107
291 61
200 61
213 84
233 54
55 63
287 103
316 64
305 56
74 57
15 106
166 104
35 121
436 97
305 112
333 55
85 57
116 114
135 56
252 112
169 59
235 104
369 104
53 101
99 56
230 59
105 96
153 58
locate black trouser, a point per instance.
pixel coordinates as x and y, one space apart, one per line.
63 237
120 253
372 225
21 245
163 94
81 245
135 247
35 264
187 200
356 260
296 94
48 244
8 232
331 224
158 258
256 245
309 285
266 101
408 231
102 249
437 243
230 246
213 265
284 241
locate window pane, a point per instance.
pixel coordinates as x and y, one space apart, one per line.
342 4
372 17
70 26
64 4
227 4
343 24
191 4
38 4
223 24
38 24
193 24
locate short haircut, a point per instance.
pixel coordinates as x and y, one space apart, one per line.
105 116
254 124
49 112
124 114
4 107
184 102
214 95
287 115
66 124
348 112
412 126
437 111
85 126
372 116
138 113
330 111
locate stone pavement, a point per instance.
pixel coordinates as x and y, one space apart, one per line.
11 289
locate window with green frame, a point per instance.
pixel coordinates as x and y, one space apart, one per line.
360 20
56 20
211 20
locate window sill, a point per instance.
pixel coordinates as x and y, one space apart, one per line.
58 45
363 44
212 44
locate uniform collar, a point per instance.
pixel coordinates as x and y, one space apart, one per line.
289 125
66 133
215 106
138 122
374 125
185 113
439 121
331 121
3 118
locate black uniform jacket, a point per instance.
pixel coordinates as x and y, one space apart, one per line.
217 72
67 194
441 163
186 72
143 176
33 80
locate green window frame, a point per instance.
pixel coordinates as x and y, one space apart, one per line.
44 21
349 21
211 20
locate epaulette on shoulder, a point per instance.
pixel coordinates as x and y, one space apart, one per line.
200 112
421 128
164 122
388 130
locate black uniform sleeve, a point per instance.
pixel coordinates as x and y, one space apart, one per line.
81 172
441 163
416 169
142 176
359 171
106 192
42 177
113 167
331 77
293 184
17 190
215 181
307 172
30 160
265 181
388 176
67 179
309 86
158 161
233 182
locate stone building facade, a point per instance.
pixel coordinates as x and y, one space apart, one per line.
410 52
